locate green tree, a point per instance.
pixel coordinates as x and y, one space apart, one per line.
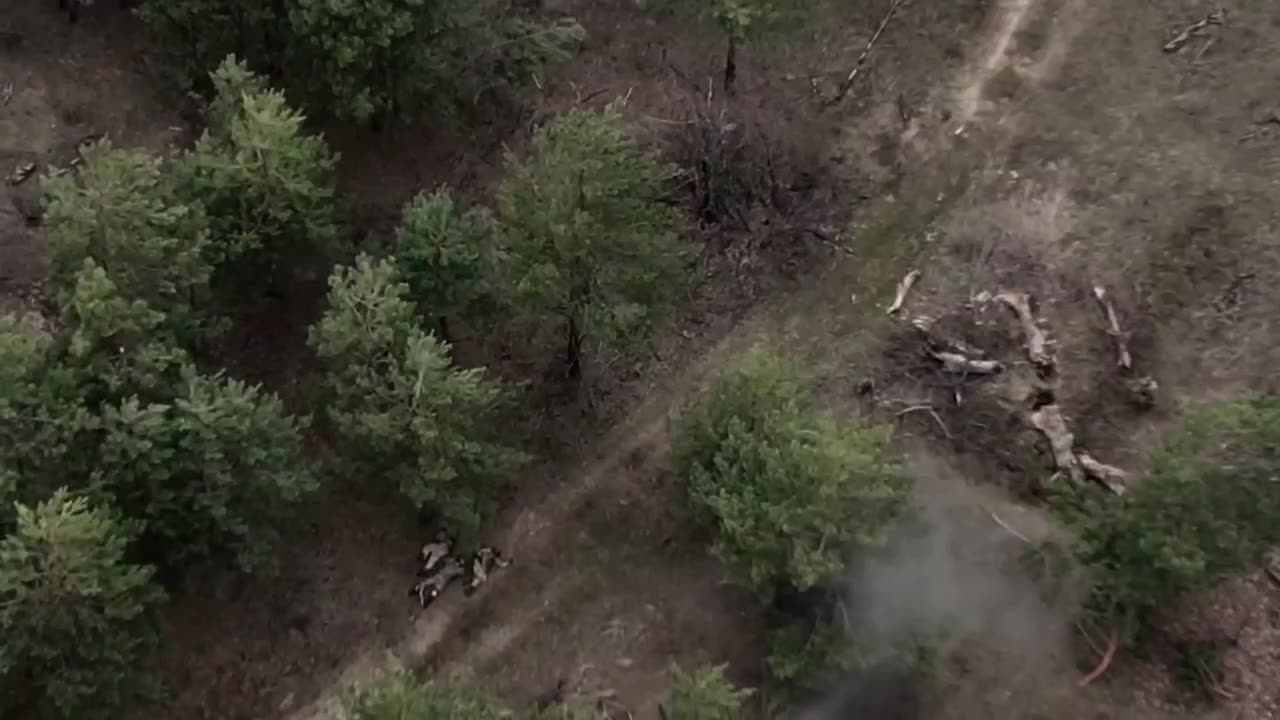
1208 508
124 214
740 20
400 406
705 694
267 186
791 490
75 613
589 240
378 58
446 257
200 33
210 473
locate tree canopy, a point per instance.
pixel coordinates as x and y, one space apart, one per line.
705 694
75 613
791 490
590 243
267 185
401 408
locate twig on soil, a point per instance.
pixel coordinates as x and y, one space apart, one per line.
1274 574
826 239
1037 345
959 364
1214 18
1007 527
857 66
929 409
1124 360
1113 644
904 287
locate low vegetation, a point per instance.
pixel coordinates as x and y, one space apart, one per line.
1209 508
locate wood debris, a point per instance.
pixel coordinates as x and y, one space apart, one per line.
1115 479
6 94
904 287
21 173
1180 40
1051 423
1037 344
1123 359
963 365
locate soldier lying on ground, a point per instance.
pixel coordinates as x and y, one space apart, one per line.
434 552
430 587
485 560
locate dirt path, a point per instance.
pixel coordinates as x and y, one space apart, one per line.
530 536
645 434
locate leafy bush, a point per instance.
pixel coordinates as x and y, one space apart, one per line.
402 410
446 257
1209 507
74 612
125 215
590 242
704 694
791 490
267 186
805 656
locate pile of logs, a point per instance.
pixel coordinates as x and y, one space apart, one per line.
1043 413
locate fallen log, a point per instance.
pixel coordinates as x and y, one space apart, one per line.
1124 359
1051 423
1037 344
904 287
1115 479
962 365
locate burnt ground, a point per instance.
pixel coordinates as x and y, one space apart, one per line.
1036 145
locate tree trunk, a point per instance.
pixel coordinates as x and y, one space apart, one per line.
573 349
731 64
443 323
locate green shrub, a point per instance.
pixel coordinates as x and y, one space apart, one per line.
791 490
400 697
1209 508
399 406
704 694
75 614
592 248
803 656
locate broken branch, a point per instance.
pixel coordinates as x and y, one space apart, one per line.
1037 345
1214 18
1115 479
1113 644
857 66
957 363
929 409
1113 321
904 287
1050 422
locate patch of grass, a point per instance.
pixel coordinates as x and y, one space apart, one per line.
1199 667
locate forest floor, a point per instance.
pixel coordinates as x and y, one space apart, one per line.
1045 146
